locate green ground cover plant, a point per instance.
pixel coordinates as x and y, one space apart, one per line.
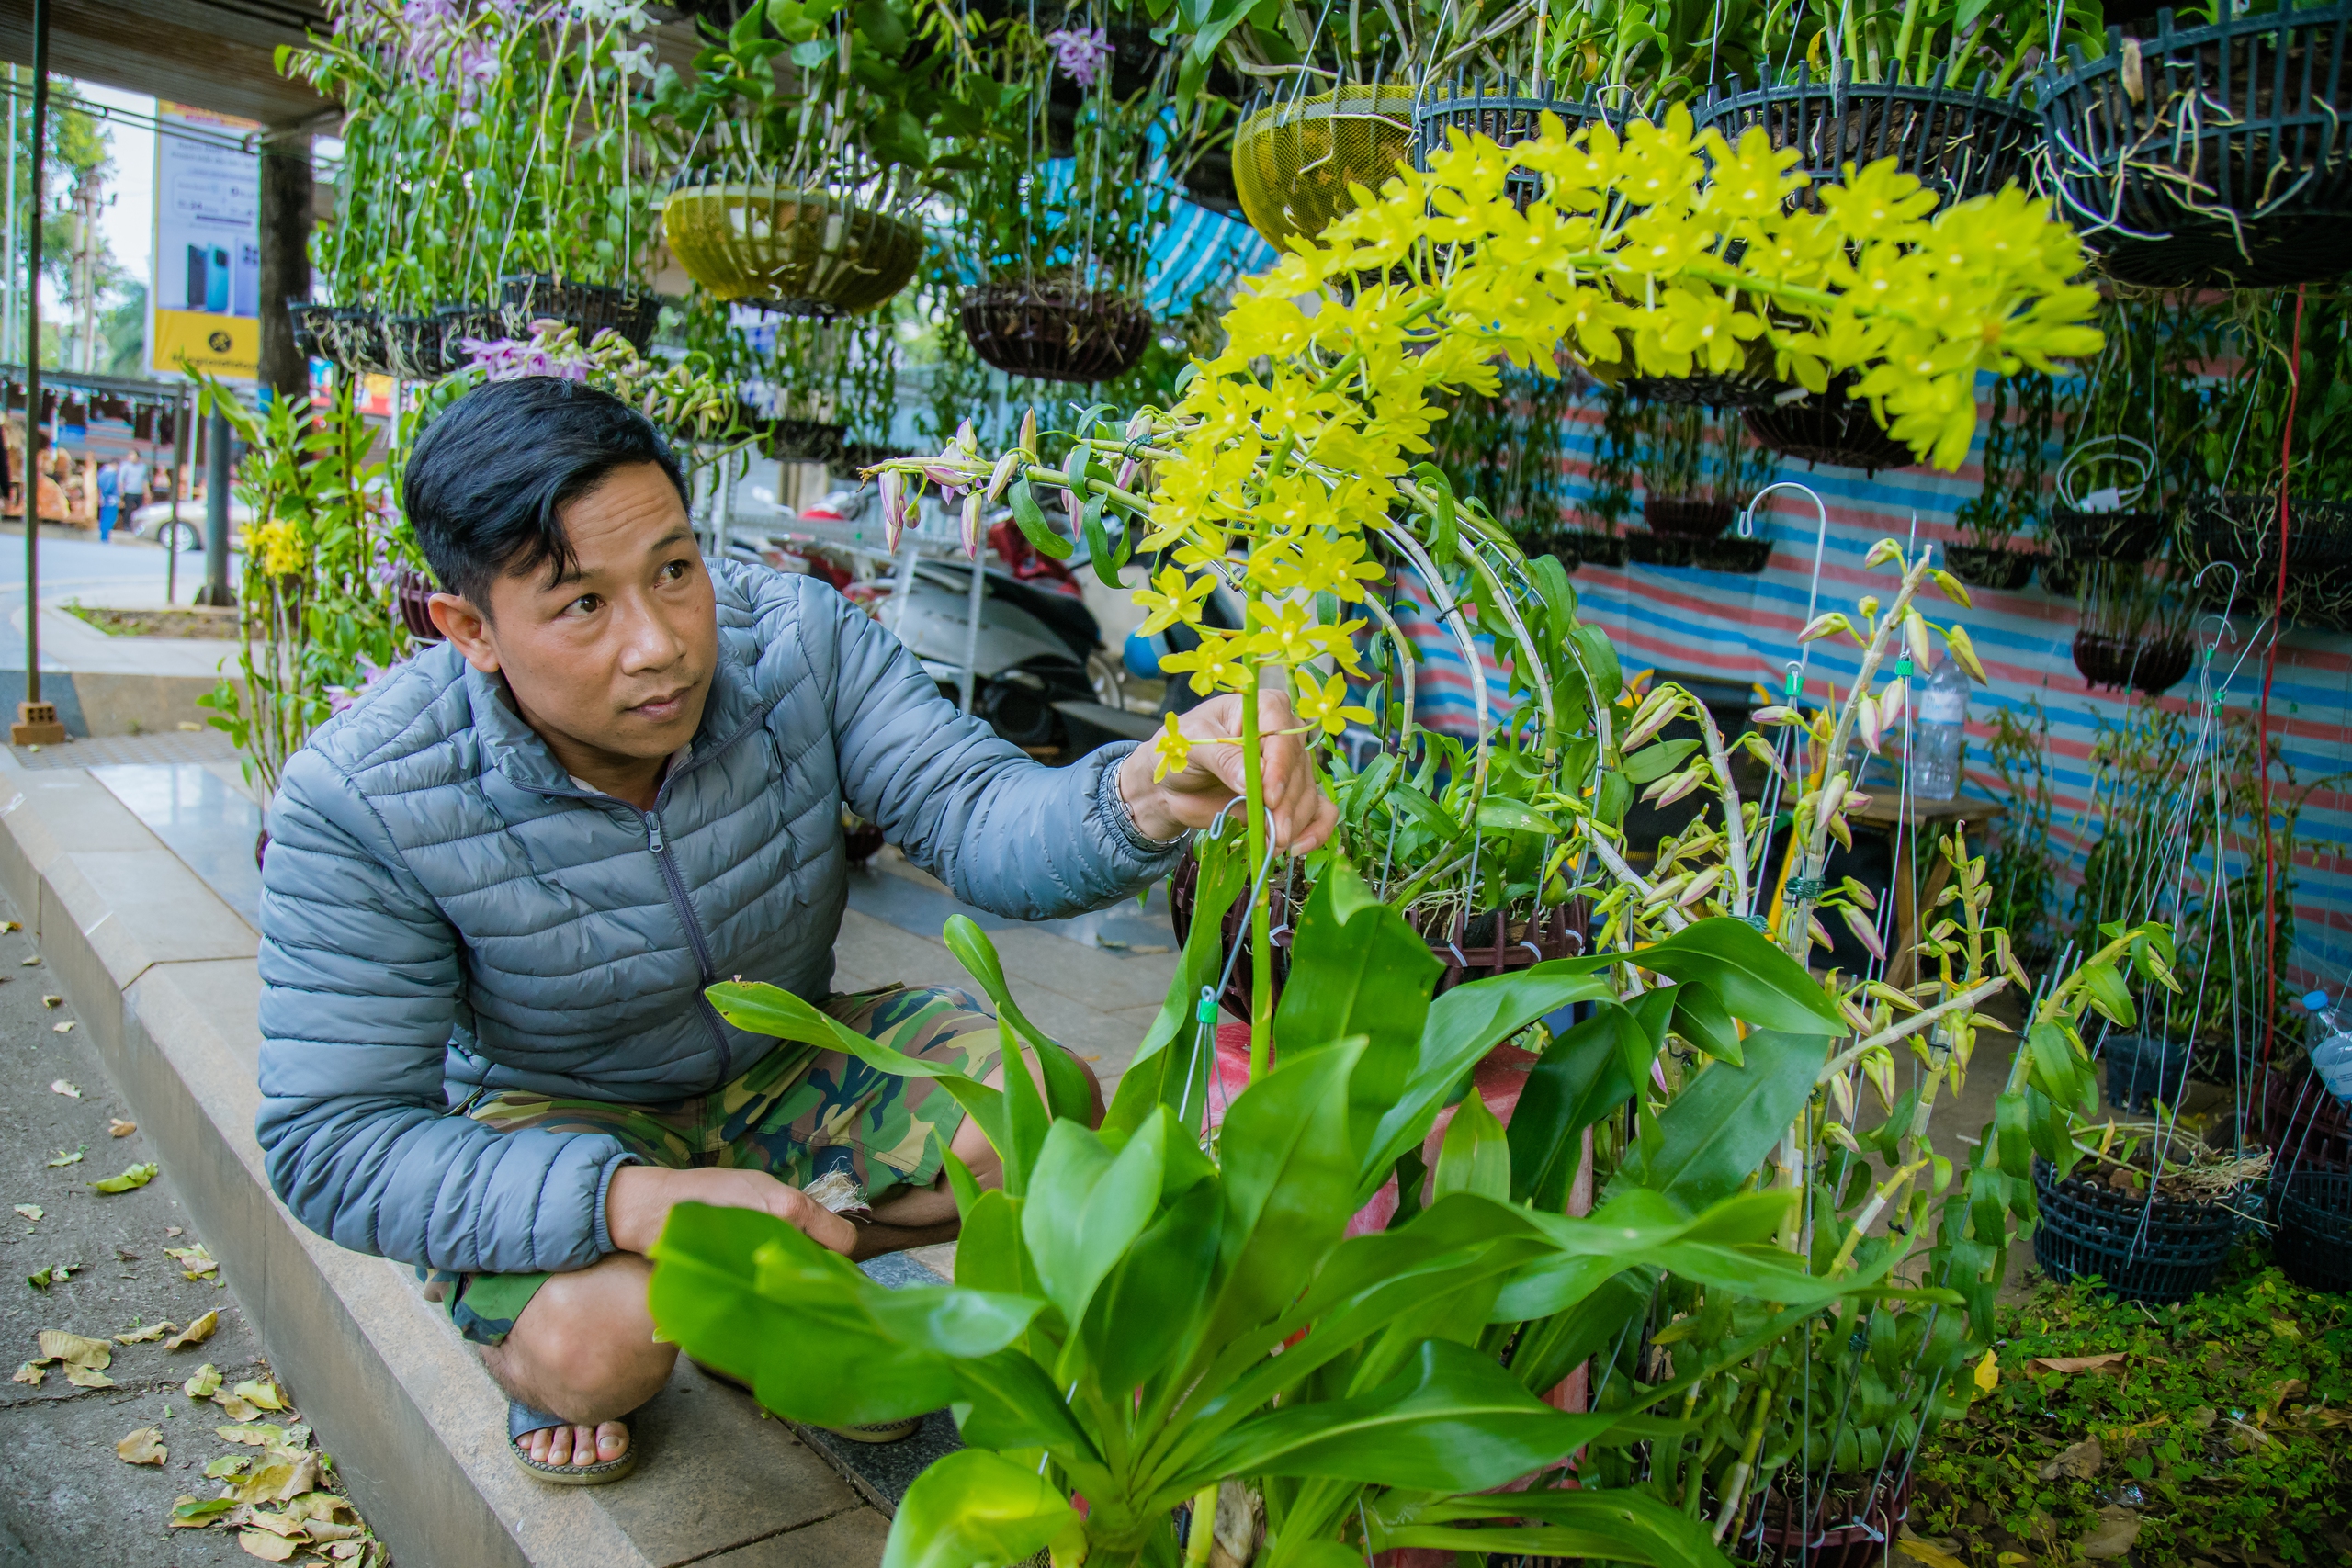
2215 1430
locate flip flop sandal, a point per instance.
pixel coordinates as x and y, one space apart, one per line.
522 1421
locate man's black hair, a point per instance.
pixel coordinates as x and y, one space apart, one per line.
487 483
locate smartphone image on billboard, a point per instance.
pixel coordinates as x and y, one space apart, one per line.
216 283
200 276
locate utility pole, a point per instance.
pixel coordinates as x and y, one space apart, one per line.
36 720
9 287
86 195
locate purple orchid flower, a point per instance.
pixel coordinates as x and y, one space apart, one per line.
1081 52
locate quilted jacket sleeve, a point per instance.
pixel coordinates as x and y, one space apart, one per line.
1006 833
360 990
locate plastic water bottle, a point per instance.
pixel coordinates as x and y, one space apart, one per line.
1940 721
2331 1046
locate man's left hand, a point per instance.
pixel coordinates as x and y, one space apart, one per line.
1191 798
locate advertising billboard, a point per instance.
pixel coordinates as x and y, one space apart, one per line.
205 294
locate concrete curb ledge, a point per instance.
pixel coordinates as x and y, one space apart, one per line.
161 973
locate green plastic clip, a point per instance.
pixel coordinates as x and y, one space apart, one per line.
1795 685
1206 1011
1903 669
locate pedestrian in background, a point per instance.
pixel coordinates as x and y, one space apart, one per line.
109 487
134 483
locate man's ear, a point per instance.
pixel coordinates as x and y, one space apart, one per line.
467 629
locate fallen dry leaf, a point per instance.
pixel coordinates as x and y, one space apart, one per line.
1926 1553
258 1437
235 1408
207 1381
65 1028
53 1001
59 1085
153 1331
192 1513
41 1279
278 1481
64 1159
31 1212
12 925
290 1524
30 1373
262 1394
196 1333
74 1349
267 1546
228 1465
194 1261
144 1447
84 1376
2112 1361
29 963
119 1128
2112 1537
2078 1462
174 1230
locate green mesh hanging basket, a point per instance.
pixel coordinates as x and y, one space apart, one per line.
1294 159
800 253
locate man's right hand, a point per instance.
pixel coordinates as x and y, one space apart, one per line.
637 1203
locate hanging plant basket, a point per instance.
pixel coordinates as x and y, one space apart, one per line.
2211 156
1852 1521
1661 549
1731 553
2313 1243
798 253
1574 547
1755 385
412 597
530 296
416 347
2243 531
1507 114
1294 157
2146 1249
312 322
351 337
1469 953
2153 665
2106 535
1832 429
2297 1111
2143 1069
460 323
1683 517
803 441
1983 566
1957 143
1052 333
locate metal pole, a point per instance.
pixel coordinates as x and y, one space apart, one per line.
27 711
171 524
8 290
216 510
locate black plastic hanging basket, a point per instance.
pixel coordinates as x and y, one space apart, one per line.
2143 1069
461 324
530 296
1986 566
1052 334
1686 517
311 322
2314 1242
411 599
1832 430
2151 664
416 348
2211 156
1753 385
803 441
2164 1250
1958 143
2241 531
1505 113
1576 547
351 337
1731 553
2106 535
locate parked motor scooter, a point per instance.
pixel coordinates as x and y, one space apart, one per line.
1042 679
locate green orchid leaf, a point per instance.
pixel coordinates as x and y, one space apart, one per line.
1654 761
1581 1078
1357 969
1618 1525
1511 816
1087 1205
1069 1089
1288 1181
1453 1419
1754 981
1144 1309
1159 1076
974 1506
1035 527
1699 1017
1475 1155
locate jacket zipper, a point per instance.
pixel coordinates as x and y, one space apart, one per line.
677 882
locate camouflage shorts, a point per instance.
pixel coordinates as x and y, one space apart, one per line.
799 1113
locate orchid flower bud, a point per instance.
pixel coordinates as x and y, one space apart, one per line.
1890 705
1006 466
973 503
967 438
1127 471
894 507
1069 506
1029 432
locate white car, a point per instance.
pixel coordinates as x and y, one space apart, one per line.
180 524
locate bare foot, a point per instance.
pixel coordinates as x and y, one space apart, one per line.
576 1445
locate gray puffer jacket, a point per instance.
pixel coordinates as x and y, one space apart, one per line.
444 909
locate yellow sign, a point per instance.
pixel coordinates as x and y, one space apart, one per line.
219 346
